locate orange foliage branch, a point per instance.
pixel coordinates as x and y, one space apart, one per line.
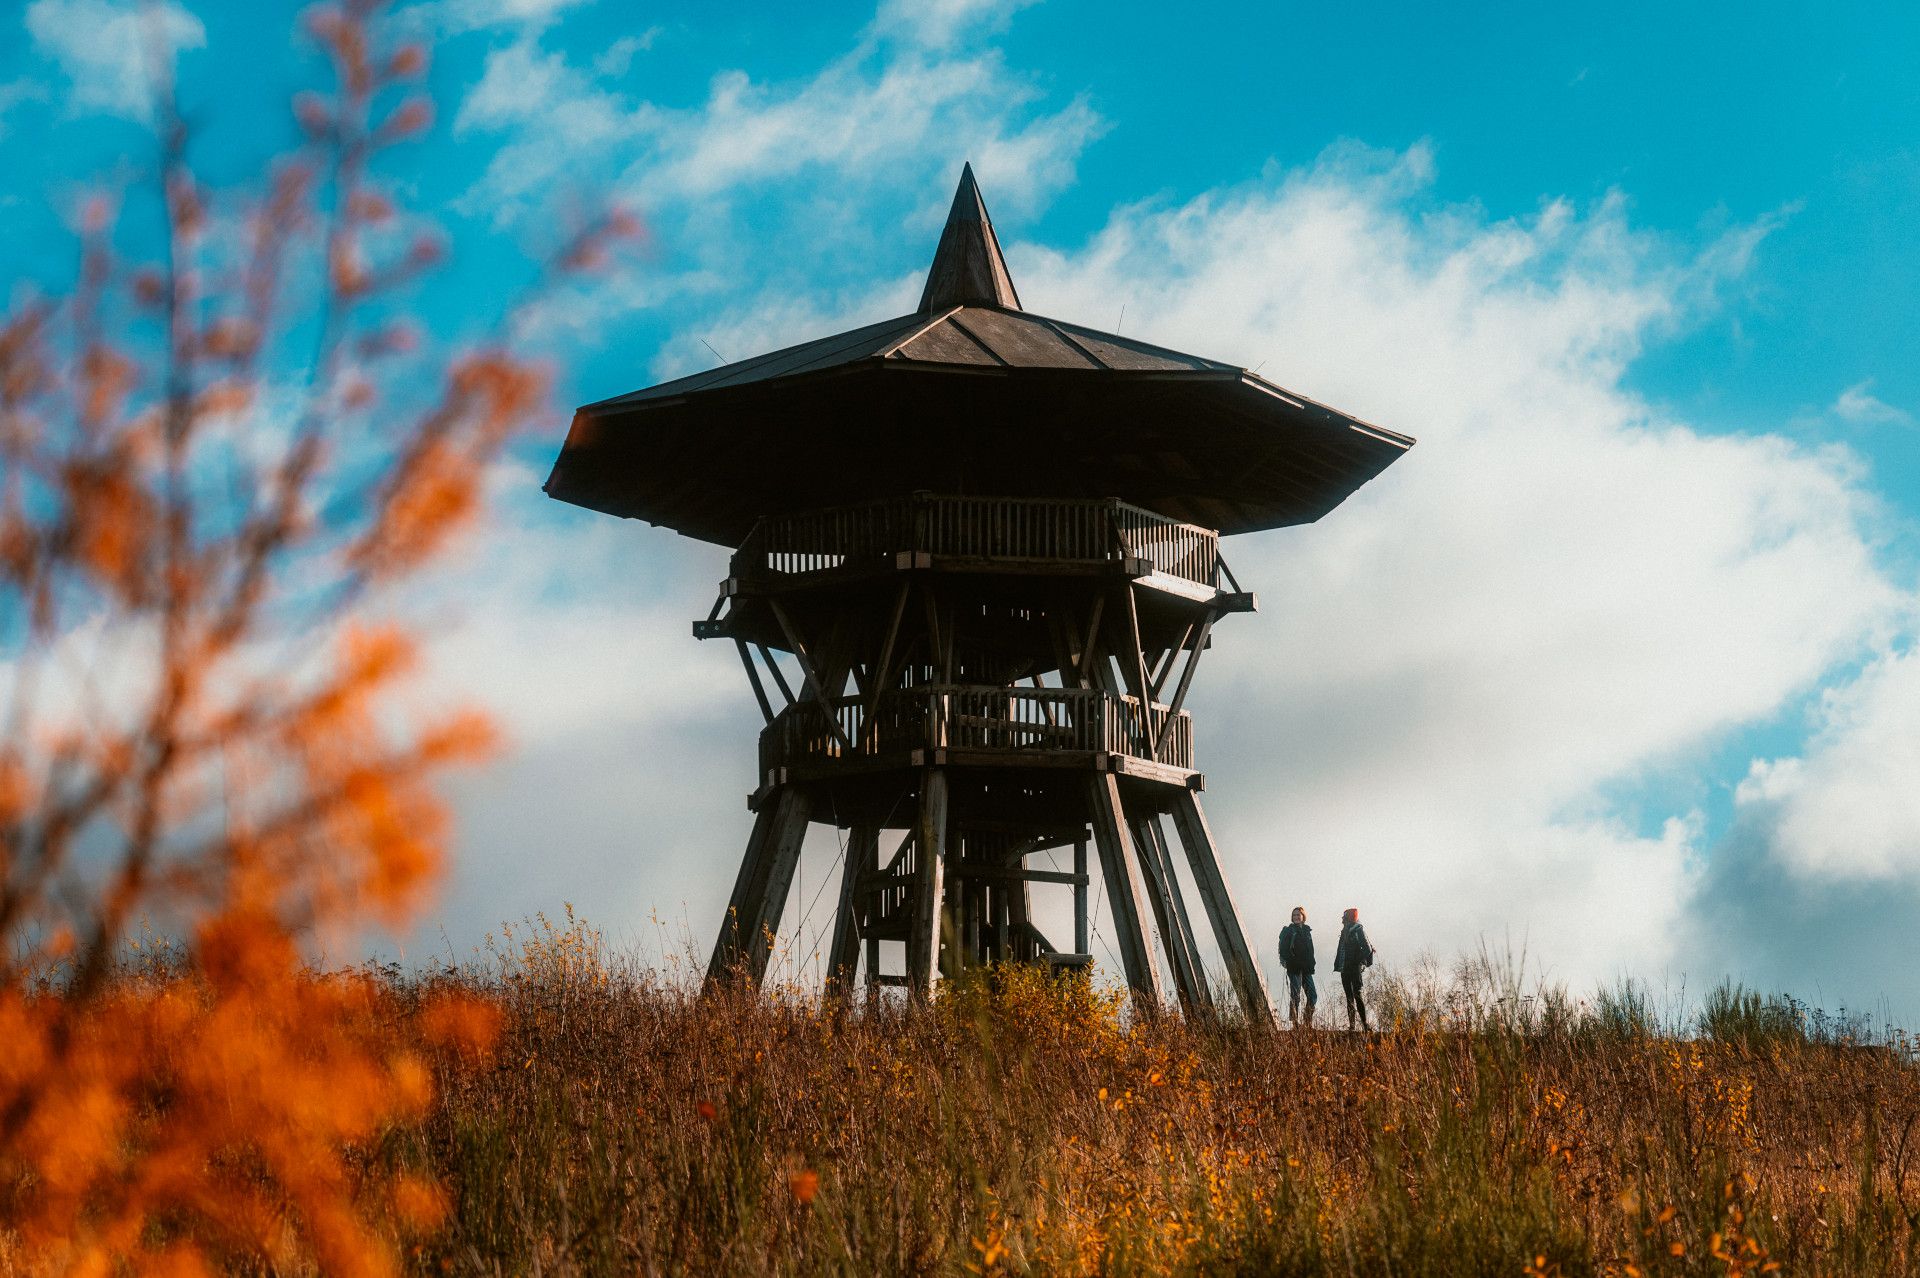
198 723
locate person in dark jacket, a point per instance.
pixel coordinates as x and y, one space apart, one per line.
1296 956
1351 957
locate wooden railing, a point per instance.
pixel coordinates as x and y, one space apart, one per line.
1011 528
973 717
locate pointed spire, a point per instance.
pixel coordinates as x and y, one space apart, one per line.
967 267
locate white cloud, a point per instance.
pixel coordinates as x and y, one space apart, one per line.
938 23
108 49
614 60
1859 405
879 116
456 17
1848 807
1560 590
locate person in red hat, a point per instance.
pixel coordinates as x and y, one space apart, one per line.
1351 957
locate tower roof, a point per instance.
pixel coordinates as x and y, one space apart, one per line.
970 393
968 268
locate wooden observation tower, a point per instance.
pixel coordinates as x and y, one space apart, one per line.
985 546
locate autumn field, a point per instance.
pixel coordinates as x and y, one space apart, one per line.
591 1117
549 1108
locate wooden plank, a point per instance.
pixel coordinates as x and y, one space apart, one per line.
1210 877
1164 666
1010 874
1186 982
789 831
753 677
820 695
1141 688
1186 681
1188 937
773 667
747 886
1092 643
930 836
1080 919
843 952
883 668
1124 897
760 889
1183 958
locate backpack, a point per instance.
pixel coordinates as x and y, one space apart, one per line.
1359 950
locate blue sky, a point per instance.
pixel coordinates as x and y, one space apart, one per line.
1617 665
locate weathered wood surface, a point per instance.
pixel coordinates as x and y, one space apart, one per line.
760 891
1125 903
929 896
1210 879
1035 531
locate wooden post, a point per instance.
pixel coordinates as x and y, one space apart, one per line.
811 676
1123 890
753 677
930 833
789 831
1080 888
1002 910
1187 983
746 887
843 954
761 890
1186 681
1195 958
1211 879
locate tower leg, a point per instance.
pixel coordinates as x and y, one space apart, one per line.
1195 959
1188 981
930 838
747 886
1081 939
1208 875
843 953
760 889
1123 890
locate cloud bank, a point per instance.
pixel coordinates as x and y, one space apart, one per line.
1513 691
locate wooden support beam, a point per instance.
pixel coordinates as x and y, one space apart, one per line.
930 837
1020 919
760 891
1210 878
773 667
1178 896
883 668
821 696
1080 919
843 953
727 950
1154 879
790 830
1189 977
1163 668
753 677
1092 644
1186 682
1117 865
1138 668
1009 874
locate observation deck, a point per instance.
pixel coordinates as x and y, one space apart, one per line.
981 726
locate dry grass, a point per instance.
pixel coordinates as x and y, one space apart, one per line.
1020 1125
